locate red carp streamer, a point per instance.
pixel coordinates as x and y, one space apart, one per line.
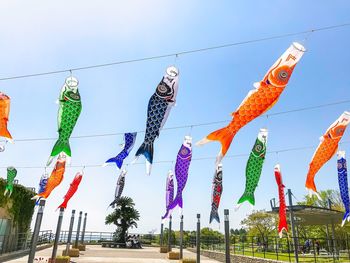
72 189
282 213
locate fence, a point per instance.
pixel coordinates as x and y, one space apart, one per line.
17 242
91 237
313 250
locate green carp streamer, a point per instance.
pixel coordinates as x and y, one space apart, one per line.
68 114
11 174
254 167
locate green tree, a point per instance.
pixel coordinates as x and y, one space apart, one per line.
320 231
332 195
260 223
240 233
124 216
166 236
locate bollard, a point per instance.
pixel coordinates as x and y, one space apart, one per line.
57 236
39 218
169 234
83 233
198 238
181 235
227 236
161 234
70 232
78 230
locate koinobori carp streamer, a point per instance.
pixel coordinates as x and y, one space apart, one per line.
11 174
68 114
119 188
4 116
326 149
72 189
282 223
129 141
55 178
216 194
182 166
259 100
343 185
169 193
254 167
159 107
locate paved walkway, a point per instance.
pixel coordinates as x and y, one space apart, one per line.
108 255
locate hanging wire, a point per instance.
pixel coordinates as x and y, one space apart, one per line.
277 157
186 52
190 133
194 159
175 59
188 125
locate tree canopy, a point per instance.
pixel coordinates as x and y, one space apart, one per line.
124 216
260 224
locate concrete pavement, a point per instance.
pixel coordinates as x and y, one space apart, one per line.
96 253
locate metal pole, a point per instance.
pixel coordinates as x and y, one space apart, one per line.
78 230
334 244
291 215
57 236
181 235
169 234
198 238
70 232
328 238
161 234
227 236
84 226
34 241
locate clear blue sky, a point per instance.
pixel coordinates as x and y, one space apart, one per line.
44 36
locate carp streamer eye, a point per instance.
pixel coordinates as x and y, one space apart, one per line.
283 75
184 151
258 148
340 166
339 131
163 89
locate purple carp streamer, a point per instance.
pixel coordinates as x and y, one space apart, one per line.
169 196
182 166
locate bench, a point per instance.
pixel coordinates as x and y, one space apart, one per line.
113 244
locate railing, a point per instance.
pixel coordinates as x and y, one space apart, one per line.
18 242
91 237
313 250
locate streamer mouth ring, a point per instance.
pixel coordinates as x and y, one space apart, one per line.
72 82
299 46
172 71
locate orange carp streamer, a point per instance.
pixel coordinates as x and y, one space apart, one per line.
260 100
55 179
4 116
326 149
